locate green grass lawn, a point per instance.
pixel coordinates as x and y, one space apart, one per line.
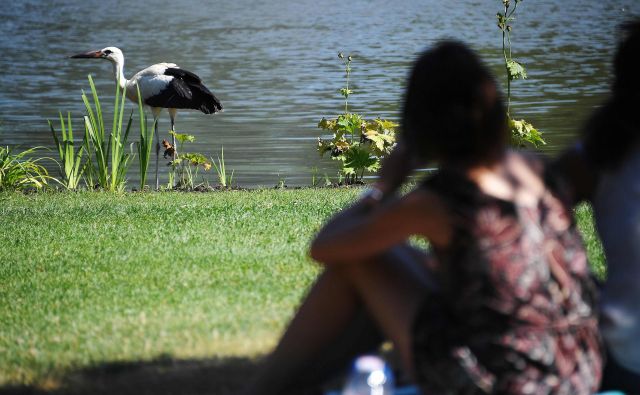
88 279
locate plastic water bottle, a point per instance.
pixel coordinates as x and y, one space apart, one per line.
370 375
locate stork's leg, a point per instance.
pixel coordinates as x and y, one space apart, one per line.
156 114
172 115
155 130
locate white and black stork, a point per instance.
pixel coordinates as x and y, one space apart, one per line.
162 85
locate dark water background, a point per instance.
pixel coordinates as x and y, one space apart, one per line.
274 65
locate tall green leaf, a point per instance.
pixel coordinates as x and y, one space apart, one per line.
111 158
145 144
515 70
70 159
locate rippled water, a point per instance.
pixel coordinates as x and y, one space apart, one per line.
273 64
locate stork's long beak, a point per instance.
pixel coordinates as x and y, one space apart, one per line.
90 54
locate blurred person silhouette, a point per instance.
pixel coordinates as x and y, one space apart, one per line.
604 168
503 304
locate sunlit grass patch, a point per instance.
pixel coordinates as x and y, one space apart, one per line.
92 278
89 278
586 224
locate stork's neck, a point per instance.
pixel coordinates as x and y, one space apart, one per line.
118 71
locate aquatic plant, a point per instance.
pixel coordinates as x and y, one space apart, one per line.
187 165
70 163
145 143
111 160
357 144
282 182
522 132
19 172
224 179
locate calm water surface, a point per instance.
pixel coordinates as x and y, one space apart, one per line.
273 64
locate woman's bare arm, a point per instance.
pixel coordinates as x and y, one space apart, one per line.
358 232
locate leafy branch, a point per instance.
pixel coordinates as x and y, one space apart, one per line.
346 91
357 143
185 166
522 132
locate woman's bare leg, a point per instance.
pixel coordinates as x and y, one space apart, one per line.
390 287
328 308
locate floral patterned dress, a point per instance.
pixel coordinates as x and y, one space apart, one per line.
514 313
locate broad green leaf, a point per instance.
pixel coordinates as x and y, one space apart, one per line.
327 124
183 137
345 92
359 159
523 132
342 145
377 140
385 124
194 159
350 123
515 70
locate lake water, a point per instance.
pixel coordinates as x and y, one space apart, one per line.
274 65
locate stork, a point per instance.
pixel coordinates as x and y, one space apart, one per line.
162 85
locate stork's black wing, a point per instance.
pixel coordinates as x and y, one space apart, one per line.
185 91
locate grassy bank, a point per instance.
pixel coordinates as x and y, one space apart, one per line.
96 279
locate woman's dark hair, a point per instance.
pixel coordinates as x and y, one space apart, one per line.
452 109
612 132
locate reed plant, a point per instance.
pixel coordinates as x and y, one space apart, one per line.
111 159
70 163
19 172
224 179
145 144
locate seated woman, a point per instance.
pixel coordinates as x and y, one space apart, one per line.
504 306
605 170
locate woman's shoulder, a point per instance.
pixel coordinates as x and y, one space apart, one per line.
514 173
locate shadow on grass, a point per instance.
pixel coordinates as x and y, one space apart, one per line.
163 376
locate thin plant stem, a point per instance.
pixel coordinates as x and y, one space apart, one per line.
346 96
506 59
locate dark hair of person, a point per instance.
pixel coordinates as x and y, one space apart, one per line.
612 132
453 110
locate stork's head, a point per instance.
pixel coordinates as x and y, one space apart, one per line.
112 54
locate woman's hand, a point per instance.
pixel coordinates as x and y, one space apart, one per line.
395 169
